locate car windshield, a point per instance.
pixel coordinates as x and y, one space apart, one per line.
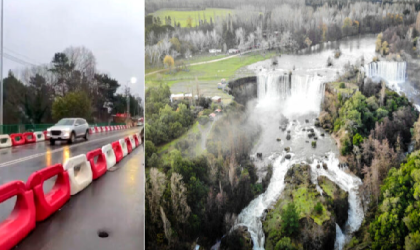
65 122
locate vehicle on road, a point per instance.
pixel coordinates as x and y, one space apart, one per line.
68 129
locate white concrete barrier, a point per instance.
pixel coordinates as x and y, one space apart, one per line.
123 146
39 136
139 137
92 130
80 173
5 141
111 160
132 141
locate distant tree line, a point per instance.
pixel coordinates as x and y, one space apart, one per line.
286 26
69 86
154 5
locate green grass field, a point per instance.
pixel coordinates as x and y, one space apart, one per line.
195 59
182 16
207 72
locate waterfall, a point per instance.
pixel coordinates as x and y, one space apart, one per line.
392 72
339 238
295 95
301 93
251 216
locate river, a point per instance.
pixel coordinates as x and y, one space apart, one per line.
296 102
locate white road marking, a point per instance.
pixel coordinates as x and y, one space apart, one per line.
12 162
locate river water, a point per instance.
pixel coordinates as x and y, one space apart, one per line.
295 102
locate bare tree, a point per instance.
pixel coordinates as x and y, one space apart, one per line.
179 198
166 226
83 59
154 191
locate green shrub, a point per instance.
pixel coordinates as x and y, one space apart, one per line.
346 147
284 244
203 120
357 139
289 220
342 85
318 208
314 144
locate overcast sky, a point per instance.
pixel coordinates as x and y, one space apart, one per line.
112 29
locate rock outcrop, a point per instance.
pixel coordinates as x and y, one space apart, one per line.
316 226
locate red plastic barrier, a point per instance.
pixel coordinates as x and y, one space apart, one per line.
97 130
47 204
22 219
29 137
16 141
128 142
99 168
116 146
45 135
136 139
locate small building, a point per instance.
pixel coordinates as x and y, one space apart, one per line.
220 85
177 97
188 96
217 99
215 51
218 111
233 51
212 116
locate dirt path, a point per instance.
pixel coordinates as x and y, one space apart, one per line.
212 61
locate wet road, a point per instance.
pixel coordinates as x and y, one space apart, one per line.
18 152
113 203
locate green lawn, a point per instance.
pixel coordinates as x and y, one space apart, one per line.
349 89
204 58
182 16
171 145
194 59
208 72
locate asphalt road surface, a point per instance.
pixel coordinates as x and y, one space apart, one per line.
112 204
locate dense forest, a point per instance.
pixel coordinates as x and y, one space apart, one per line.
44 94
374 128
195 197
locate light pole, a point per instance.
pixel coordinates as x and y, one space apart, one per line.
133 80
1 69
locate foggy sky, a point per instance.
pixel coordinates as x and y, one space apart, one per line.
112 29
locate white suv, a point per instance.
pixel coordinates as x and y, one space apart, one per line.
68 129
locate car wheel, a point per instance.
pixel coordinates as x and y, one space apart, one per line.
72 138
87 135
52 141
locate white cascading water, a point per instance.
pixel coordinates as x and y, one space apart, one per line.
302 95
391 72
